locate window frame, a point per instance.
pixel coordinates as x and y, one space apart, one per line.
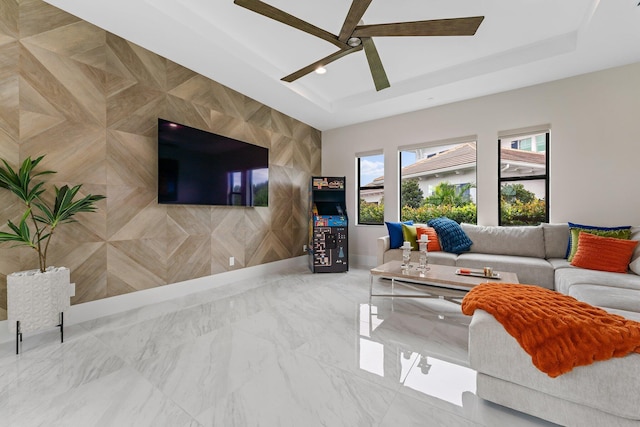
359 184
545 176
439 144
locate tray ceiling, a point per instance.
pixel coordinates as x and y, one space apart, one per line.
518 44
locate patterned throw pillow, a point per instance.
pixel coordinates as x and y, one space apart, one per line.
452 238
603 253
395 233
434 243
621 232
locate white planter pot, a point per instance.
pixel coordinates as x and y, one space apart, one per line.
36 299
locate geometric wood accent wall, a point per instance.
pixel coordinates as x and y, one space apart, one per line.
89 100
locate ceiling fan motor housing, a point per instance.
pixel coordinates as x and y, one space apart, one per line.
354 41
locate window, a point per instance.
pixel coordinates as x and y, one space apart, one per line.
255 180
438 181
371 189
535 143
236 188
523 179
541 142
260 187
522 144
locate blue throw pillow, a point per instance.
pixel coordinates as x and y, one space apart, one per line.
396 239
452 238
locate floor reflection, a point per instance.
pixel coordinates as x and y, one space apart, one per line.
425 351
443 380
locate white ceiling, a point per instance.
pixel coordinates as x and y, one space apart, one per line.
520 43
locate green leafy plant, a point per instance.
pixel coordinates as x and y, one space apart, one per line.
519 213
449 194
510 193
39 221
410 193
466 213
371 213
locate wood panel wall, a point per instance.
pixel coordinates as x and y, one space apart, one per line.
90 101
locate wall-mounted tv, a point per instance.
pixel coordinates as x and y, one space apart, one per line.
196 167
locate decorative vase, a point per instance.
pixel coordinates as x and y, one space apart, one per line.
37 299
422 258
406 255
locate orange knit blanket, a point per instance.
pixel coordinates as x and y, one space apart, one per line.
556 330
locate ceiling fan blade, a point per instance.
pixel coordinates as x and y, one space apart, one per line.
437 27
321 63
358 8
290 20
375 64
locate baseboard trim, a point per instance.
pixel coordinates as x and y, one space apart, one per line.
107 306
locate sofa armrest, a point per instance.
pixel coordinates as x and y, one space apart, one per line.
384 244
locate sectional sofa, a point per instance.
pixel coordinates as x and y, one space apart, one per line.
538 256
603 393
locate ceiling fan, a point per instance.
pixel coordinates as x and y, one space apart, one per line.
354 37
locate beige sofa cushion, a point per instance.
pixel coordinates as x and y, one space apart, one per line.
620 299
566 278
518 241
556 240
530 270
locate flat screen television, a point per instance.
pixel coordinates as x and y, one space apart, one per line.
197 167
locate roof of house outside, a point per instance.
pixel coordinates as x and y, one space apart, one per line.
376 183
510 154
456 157
461 156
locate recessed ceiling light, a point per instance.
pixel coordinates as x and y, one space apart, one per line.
321 70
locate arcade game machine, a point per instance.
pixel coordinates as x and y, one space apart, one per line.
328 243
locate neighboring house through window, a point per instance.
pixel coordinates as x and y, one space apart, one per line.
439 180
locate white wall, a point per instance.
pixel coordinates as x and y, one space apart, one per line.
594 149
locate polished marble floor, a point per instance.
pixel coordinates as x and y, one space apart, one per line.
288 349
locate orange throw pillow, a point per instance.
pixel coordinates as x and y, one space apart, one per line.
603 253
434 243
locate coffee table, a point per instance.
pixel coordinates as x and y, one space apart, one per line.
439 281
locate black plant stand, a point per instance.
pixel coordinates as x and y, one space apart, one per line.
19 332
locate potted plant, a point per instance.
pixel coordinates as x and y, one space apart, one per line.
36 298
